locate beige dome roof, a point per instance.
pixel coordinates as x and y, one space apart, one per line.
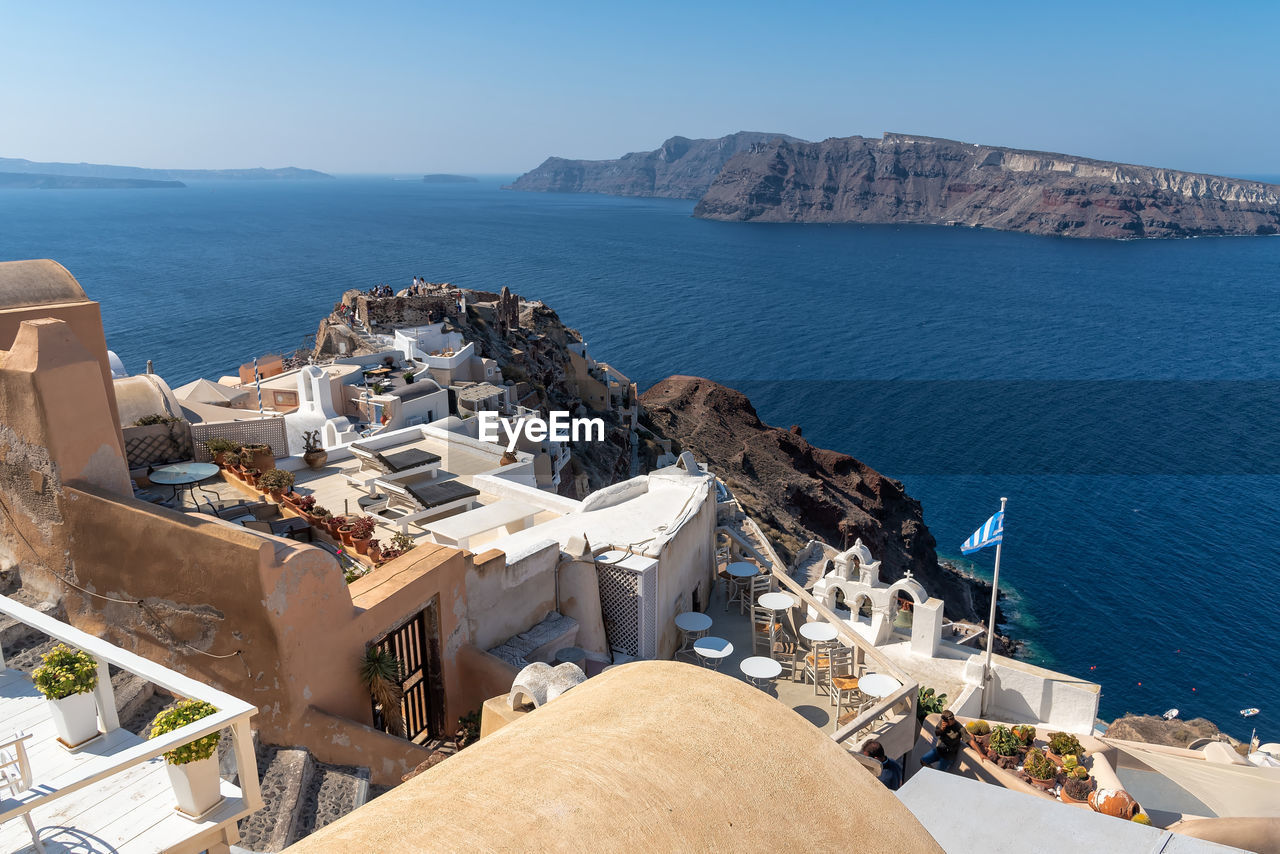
42 282
652 756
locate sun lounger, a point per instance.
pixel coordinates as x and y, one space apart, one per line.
426 499
376 464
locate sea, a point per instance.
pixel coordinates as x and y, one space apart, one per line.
1122 396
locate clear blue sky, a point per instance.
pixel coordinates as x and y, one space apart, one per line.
496 87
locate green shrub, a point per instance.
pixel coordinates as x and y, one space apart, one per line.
1065 744
403 542
1003 741
276 480
219 445
65 671
978 728
157 418
188 711
929 703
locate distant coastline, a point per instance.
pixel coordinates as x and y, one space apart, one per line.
445 178
38 181
18 165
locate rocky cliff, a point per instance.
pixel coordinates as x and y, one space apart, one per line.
681 169
797 492
914 179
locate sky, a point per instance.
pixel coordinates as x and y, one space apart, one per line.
496 87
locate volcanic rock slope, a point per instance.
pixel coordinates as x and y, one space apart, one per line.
915 179
797 492
681 169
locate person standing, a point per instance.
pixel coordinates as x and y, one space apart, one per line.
950 738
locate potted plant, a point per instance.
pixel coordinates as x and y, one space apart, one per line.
402 542
1040 769
333 523
1076 791
318 516
313 453
251 475
346 530
1062 745
1003 746
304 504
1025 733
260 457
219 448
231 460
277 482
362 528
408 377
980 732
929 703
66 677
380 673
193 767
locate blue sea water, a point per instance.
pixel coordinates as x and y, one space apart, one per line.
1123 396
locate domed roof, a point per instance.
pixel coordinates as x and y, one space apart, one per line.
653 755
42 282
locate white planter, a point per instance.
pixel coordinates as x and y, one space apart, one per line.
195 785
75 718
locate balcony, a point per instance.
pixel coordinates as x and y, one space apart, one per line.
113 794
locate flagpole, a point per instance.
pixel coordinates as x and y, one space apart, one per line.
991 622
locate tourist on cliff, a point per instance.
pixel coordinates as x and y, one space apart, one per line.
951 737
890 769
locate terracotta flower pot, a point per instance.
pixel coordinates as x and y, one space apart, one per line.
362 546
264 460
331 524
315 459
1047 785
1114 802
220 459
344 531
1067 799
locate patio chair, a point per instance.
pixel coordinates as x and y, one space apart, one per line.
786 650
15 777
841 676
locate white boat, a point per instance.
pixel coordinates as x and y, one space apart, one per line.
1170 715
1248 713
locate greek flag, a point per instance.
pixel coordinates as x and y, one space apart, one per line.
988 535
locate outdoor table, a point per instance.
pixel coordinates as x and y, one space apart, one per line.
760 670
817 633
740 575
185 476
877 685
712 650
776 601
692 625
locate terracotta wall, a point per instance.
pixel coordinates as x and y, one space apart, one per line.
506 598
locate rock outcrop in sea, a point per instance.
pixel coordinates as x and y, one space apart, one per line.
918 179
681 169
797 492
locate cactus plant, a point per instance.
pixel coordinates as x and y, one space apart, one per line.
1065 744
978 727
1025 733
1003 741
1039 766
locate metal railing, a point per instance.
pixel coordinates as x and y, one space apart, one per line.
232 712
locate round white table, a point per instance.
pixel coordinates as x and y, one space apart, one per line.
760 670
693 621
776 601
712 650
877 685
818 631
740 575
742 569
692 625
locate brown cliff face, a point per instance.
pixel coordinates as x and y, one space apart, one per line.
797 492
909 179
681 169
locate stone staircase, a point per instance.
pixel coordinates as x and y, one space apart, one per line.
301 795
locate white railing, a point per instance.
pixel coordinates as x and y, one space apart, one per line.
232 712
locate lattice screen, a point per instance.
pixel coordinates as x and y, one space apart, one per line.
157 444
264 431
620 604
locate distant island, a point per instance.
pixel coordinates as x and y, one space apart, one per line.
445 178
98 170
902 178
681 169
37 181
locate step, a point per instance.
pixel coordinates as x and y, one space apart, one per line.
333 791
15 635
285 773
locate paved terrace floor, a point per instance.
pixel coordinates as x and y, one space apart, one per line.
333 492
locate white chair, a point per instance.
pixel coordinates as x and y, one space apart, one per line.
15 776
